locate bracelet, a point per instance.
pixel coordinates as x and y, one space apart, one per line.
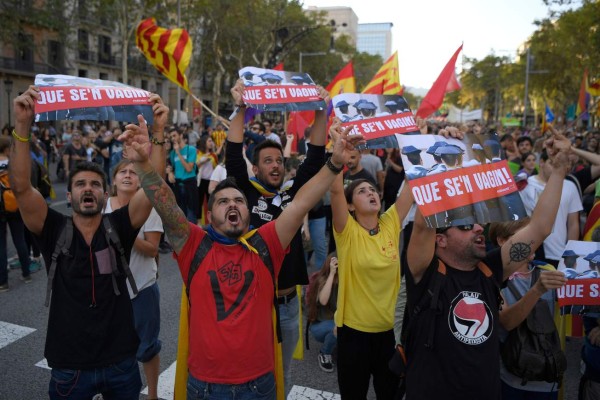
157 142
21 139
332 167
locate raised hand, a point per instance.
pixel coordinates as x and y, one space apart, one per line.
24 106
324 94
549 280
450 132
343 142
160 111
136 143
237 92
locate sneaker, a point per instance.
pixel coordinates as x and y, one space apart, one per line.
34 266
26 279
4 288
326 362
15 264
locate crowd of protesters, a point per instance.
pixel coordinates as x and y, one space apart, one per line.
365 209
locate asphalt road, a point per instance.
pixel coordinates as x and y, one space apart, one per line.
23 320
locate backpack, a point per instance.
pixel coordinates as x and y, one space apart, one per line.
8 201
532 350
63 245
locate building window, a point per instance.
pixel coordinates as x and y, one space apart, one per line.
24 52
103 76
55 55
104 49
84 45
144 84
82 73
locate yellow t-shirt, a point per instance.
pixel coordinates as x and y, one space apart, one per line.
369 274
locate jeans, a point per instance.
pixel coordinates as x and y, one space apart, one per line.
317 228
322 331
288 318
17 233
187 198
262 387
119 381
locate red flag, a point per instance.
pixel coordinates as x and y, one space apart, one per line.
343 82
583 98
299 121
443 84
279 67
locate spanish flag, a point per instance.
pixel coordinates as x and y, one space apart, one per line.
387 79
344 81
169 50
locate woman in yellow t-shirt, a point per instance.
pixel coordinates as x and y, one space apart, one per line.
367 243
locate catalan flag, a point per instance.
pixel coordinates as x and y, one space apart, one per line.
169 50
387 79
548 118
594 88
584 98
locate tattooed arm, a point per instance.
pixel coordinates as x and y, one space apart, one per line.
32 205
521 246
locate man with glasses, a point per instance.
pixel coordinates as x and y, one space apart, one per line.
453 297
254 136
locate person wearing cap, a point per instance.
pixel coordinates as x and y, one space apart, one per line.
364 109
570 258
416 170
270 78
343 115
392 106
479 156
438 166
455 344
451 156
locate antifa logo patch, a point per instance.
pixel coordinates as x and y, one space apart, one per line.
470 319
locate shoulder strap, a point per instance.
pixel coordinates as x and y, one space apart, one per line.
62 246
113 237
201 252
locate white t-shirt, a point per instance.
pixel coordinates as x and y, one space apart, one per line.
570 202
274 137
142 268
219 174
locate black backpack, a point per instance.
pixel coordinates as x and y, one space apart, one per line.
532 350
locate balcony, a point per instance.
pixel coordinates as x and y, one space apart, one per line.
28 67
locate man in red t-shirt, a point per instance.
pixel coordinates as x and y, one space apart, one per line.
231 293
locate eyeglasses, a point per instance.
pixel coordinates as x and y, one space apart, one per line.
465 228
255 128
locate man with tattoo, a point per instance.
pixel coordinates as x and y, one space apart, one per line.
91 342
453 338
231 289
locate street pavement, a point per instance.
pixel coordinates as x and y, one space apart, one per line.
23 320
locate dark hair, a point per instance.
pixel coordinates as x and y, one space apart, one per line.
83 166
261 127
524 156
291 163
414 158
266 144
316 285
349 190
227 183
202 143
522 139
505 137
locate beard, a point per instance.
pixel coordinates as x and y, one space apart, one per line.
88 212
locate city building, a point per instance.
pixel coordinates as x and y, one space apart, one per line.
375 38
343 20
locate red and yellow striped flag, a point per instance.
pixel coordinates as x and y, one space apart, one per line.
387 79
169 50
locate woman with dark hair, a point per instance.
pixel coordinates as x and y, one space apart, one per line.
528 162
367 243
322 302
207 161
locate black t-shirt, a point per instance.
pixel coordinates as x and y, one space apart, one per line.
362 174
263 209
464 362
80 336
70 150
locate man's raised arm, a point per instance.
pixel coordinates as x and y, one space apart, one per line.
32 205
292 216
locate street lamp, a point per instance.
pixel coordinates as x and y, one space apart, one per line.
8 85
301 54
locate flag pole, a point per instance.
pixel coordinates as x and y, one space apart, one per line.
211 112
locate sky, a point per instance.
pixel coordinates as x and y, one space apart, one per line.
427 32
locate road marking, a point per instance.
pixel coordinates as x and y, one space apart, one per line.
11 333
305 393
43 364
166 383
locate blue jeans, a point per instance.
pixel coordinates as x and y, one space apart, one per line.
317 229
146 315
322 331
262 387
17 232
288 318
119 381
511 393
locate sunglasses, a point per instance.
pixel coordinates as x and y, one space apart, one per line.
465 228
